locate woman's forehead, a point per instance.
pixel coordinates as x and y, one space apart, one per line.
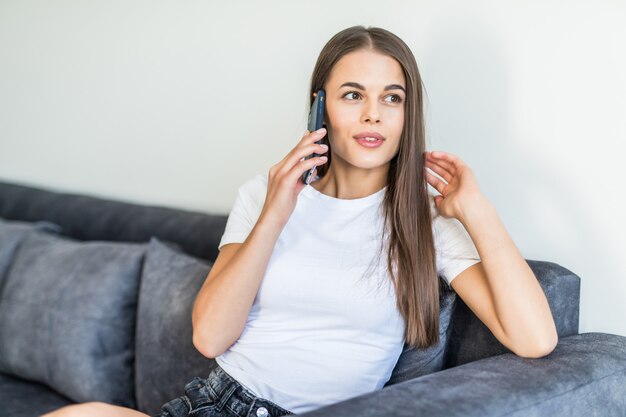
371 69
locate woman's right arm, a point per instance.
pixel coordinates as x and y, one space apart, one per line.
222 306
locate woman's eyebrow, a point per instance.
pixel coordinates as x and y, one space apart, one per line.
361 87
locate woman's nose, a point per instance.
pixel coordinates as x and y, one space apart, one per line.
371 113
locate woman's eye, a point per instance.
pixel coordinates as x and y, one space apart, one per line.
398 99
351 92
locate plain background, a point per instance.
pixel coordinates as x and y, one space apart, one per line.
179 103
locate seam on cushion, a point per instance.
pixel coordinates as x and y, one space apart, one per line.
7 272
415 377
4 278
133 339
48 340
563 393
438 353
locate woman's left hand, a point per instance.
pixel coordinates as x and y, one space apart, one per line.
460 188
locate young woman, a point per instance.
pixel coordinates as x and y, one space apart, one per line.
298 309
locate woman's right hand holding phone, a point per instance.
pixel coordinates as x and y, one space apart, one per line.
285 178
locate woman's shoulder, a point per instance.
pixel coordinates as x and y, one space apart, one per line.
255 188
256 181
441 225
445 229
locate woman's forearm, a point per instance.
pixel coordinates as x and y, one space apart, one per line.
519 300
223 304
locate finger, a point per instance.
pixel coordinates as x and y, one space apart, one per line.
446 181
313 136
442 172
445 155
307 146
447 164
435 182
301 152
442 164
304 166
448 157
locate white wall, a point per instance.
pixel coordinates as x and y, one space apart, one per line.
178 103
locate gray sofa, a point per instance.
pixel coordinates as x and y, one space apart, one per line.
95 305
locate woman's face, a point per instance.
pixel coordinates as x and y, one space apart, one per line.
376 104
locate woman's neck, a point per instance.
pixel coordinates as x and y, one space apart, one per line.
349 187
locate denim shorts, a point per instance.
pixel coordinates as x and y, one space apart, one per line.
219 395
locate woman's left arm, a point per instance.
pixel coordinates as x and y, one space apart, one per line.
501 290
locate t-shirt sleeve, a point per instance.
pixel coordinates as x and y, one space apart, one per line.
245 212
455 250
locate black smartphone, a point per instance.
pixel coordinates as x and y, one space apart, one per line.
316 121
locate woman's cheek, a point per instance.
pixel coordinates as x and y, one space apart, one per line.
340 120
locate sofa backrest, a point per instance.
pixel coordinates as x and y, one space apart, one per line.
92 218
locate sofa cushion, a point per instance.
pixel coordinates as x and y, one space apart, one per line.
12 233
414 363
166 357
67 316
20 397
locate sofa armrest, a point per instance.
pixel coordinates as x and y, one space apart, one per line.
471 340
585 375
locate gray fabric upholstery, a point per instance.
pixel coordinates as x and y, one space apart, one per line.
23 398
584 376
11 235
471 340
414 363
67 316
86 217
165 356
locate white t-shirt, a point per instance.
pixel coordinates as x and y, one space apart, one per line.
320 329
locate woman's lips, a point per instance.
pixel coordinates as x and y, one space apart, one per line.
370 144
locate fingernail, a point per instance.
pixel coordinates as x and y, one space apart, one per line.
323 145
321 130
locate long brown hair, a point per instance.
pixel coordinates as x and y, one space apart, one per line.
406 206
